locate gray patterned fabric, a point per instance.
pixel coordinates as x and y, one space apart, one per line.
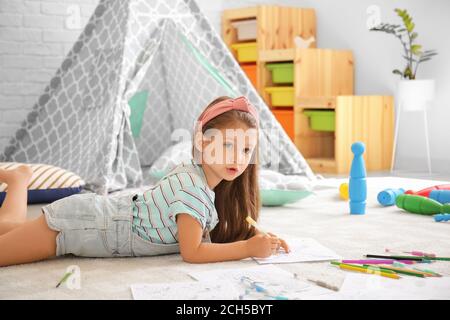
168 48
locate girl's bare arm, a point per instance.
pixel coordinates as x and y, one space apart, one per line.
194 251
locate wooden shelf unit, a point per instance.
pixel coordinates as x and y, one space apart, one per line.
317 72
369 119
323 79
277 28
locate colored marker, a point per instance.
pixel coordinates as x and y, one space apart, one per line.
418 259
435 274
259 288
376 261
64 278
384 273
404 271
415 253
254 224
408 272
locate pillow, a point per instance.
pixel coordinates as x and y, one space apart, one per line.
48 183
277 189
173 156
275 198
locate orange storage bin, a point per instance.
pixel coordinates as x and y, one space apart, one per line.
286 118
250 71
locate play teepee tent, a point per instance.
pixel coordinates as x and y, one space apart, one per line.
163 53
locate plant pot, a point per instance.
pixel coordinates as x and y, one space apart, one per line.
414 95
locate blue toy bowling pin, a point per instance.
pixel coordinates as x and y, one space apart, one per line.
442 196
358 186
387 197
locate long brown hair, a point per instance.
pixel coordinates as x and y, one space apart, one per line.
239 198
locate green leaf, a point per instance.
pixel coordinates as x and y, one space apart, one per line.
415 49
396 71
414 35
400 12
409 26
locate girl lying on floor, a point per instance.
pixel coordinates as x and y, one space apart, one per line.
198 209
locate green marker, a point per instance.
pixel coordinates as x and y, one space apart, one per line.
397 270
366 266
64 278
428 271
421 205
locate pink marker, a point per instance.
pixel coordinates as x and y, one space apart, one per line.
414 253
421 254
378 261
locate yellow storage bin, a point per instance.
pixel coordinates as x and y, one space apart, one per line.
246 52
281 96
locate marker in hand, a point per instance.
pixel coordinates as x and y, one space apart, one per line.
254 224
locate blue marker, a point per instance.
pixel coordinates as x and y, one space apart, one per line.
387 196
259 288
358 185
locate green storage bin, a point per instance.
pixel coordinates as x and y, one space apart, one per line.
281 72
321 120
281 96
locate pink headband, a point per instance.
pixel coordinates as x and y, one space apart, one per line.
241 104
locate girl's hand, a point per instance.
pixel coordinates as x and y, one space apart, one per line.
283 243
262 246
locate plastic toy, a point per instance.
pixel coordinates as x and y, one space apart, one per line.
420 204
426 192
442 196
442 217
387 196
358 184
343 191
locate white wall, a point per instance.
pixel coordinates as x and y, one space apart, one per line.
34 38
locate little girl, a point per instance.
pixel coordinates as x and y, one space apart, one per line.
204 200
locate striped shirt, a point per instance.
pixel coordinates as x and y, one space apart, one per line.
183 190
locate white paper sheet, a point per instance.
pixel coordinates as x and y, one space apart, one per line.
302 250
193 290
278 282
374 287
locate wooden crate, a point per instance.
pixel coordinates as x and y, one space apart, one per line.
369 119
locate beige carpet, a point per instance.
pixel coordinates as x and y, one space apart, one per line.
322 216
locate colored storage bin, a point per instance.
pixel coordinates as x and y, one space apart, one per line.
246 29
250 71
281 96
246 52
281 72
321 120
286 119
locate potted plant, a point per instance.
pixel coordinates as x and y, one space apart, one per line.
412 94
